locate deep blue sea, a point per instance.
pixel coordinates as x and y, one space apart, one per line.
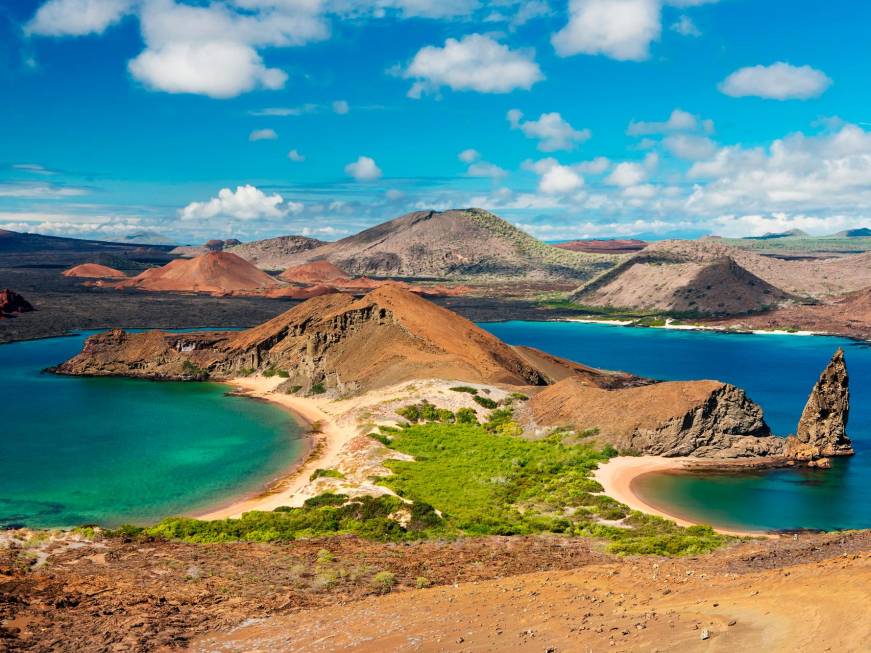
778 372
106 451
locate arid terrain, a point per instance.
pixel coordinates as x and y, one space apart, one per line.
562 594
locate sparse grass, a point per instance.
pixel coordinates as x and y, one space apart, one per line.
465 388
384 581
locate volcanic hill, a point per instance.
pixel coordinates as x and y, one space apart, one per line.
315 272
446 244
341 345
214 272
677 278
272 253
93 271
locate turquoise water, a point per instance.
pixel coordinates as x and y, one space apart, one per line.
107 451
778 372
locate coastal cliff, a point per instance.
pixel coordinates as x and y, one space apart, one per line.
342 345
683 418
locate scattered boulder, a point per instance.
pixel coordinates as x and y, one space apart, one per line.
12 303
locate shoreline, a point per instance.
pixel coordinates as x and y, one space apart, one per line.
322 449
617 476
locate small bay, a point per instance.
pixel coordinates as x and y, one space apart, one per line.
778 372
107 451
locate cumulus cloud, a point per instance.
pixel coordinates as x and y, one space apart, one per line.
363 169
294 155
219 69
469 155
555 178
40 191
262 135
685 26
779 81
620 29
827 173
690 146
245 203
551 130
341 107
213 50
678 121
627 174
473 63
77 17
486 169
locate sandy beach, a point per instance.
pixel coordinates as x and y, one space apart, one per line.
288 491
617 475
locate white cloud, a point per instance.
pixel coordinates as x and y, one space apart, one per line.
285 111
779 81
620 29
262 135
679 120
822 174
627 174
40 191
475 62
33 168
469 155
213 50
341 107
690 146
739 226
685 26
294 155
217 69
551 130
363 169
555 178
245 203
485 169
77 17
595 166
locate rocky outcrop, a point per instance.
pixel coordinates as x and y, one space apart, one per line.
822 429
344 343
11 303
707 419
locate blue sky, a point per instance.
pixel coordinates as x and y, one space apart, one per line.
587 118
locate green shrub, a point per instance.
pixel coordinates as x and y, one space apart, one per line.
317 389
486 402
465 388
519 396
326 473
284 374
193 371
421 582
466 416
269 372
384 581
410 413
383 439
292 390
326 499
246 371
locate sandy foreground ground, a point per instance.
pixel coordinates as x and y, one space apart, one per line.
617 475
644 605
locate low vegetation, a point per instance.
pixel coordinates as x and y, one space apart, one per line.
466 479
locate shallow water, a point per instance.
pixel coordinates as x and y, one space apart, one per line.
778 372
107 451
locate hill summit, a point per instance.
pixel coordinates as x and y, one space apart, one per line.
445 244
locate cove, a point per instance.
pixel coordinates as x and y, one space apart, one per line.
108 451
778 372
